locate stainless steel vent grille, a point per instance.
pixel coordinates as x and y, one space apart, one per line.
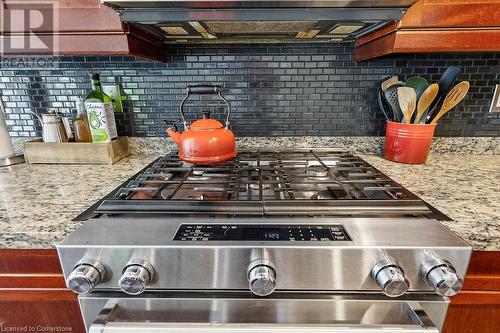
265 27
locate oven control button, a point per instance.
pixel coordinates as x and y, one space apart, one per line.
442 277
136 276
390 277
85 276
261 277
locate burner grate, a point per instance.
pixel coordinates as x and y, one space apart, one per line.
298 180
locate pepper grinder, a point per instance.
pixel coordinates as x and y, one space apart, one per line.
7 152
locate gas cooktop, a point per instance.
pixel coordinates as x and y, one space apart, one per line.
318 182
299 226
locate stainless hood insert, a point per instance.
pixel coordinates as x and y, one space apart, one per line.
259 21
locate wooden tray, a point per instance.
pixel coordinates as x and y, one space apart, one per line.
37 151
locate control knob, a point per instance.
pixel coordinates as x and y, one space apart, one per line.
136 276
85 276
442 277
390 277
261 277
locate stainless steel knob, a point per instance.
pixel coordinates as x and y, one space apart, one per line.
390 277
136 276
261 277
85 276
442 277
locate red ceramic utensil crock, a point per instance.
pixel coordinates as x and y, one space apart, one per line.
408 143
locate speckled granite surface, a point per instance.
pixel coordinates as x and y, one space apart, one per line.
464 187
356 144
359 144
37 202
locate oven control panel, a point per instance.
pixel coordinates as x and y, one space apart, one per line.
259 232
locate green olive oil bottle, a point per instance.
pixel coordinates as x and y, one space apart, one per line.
100 112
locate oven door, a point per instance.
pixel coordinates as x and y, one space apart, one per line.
108 312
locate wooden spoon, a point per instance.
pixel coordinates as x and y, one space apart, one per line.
407 99
455 96
387 83
425 101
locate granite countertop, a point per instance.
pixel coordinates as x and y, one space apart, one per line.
464 187
37 202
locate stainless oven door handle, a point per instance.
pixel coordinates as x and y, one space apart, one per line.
106 323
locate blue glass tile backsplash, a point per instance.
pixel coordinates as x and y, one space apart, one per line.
274 89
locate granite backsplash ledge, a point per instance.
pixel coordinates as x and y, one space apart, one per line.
359 145
355 144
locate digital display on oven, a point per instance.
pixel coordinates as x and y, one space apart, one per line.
249 232
272 235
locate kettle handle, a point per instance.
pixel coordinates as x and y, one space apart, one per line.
203 90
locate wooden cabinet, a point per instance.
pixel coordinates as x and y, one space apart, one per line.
81 27
437 26
32 293
477 308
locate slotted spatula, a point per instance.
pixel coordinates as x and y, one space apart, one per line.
407 99
455 96
391 96
425 101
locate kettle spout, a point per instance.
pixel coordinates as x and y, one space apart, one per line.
175 135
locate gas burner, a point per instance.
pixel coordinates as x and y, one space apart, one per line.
312 173
255 186
164 176
265 181
198 175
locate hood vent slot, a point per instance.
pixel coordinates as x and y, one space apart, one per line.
175 30
346 29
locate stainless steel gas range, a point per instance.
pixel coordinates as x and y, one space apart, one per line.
304 240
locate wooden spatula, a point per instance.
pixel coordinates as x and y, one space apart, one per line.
407 99
425 100
387 83
455 96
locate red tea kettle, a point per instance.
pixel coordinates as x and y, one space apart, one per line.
205 141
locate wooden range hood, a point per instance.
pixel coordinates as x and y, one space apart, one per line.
437 26
84 27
